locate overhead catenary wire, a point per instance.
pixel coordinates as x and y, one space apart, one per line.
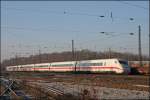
138 6
66 12
56 12
38 29
35 29
109 36
113 34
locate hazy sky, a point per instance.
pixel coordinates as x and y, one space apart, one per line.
28 26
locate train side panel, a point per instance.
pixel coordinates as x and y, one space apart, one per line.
108 65
42 67
63 66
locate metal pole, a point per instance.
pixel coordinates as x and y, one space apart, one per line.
149 52
16 59
109 53
140 51
73 54
39 56
73 50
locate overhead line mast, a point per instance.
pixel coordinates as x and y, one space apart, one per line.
140 51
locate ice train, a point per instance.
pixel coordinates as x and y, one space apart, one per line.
118 66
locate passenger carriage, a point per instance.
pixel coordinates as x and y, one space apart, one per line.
42 67
63 66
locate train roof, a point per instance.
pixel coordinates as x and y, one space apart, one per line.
65 62
70 62
27 65
41 64
103 60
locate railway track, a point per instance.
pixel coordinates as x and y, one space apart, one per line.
8 91
78 90
54 86
55 91
48 89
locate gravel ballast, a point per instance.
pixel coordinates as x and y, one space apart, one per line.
97 92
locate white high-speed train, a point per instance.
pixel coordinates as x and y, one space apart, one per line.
100 65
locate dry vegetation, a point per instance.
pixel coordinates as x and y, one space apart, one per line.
103 80
92 80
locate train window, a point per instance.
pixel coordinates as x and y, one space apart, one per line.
123 62
41 66
61 65
96 64
116 62
55 65
67 65
100 64
91 64
44 66
84 64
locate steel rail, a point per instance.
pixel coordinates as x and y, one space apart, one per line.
54 90
8 87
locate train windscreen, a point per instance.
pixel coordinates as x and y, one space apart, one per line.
124 63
